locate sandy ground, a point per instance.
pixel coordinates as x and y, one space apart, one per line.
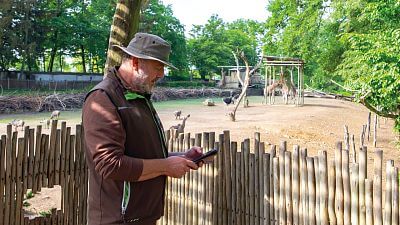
317 125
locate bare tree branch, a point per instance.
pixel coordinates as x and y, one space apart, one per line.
237 68
375 110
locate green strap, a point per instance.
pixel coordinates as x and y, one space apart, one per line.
132 96
125 197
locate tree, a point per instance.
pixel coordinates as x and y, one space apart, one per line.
159 20
246 82
124 27
371 61
211 45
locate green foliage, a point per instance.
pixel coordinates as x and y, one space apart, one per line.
38 35
26 204
355 42
29 195
211 45
158 19
45 213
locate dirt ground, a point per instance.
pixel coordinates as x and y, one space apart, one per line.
317 125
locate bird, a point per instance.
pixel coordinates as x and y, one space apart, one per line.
228 100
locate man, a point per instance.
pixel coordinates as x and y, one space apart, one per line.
125 147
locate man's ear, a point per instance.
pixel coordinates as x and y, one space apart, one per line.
135 62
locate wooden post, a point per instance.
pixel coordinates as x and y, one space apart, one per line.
252 189
346 137
295 185
288 188
395 196
317 190
228 166
19 180
257 183
282 208
388 193
276 188
311 187
267 197
369 208
323 171
246 152
354 194
377 201
31 160
272 185
346 188
2 176
52 150
362 175
303 191
339 204
331 188
368 126
35 176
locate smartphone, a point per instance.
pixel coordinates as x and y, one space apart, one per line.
205 155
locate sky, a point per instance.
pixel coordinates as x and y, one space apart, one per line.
197 12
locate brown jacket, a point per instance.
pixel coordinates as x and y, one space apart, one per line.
118 134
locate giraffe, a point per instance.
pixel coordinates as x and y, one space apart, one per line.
270 91
288 89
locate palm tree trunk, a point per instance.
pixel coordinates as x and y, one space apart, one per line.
125 25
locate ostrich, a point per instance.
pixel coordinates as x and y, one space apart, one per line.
235 97
178 114
228 100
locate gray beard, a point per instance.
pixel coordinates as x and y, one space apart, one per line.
139 84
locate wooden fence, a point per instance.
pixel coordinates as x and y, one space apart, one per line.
38 160
246 184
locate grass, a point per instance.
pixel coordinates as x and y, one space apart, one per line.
45 213
34 117
29 195
74 117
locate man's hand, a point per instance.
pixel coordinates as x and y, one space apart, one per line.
177 166
194 153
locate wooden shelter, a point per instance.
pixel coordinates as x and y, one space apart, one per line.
229 77
282 66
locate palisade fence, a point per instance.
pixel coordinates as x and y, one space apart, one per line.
36 160
246 184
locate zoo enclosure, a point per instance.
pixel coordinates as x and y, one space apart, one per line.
252 186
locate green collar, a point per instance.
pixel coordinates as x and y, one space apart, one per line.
132 96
